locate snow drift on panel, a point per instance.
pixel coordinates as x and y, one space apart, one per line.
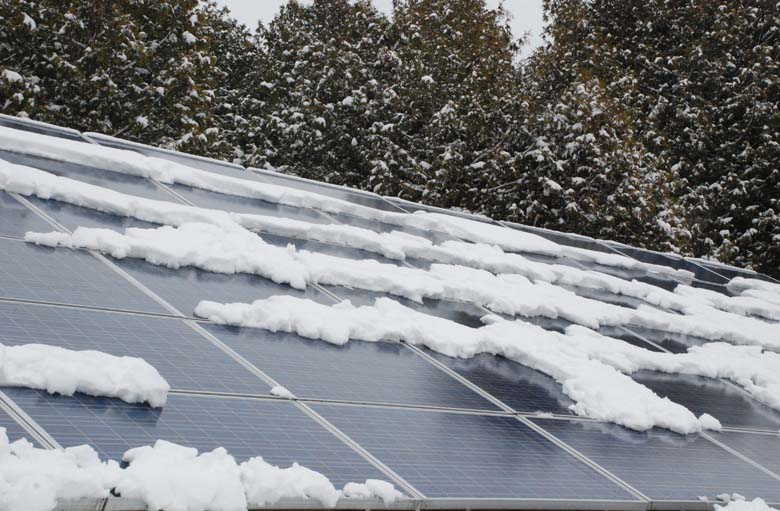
62 371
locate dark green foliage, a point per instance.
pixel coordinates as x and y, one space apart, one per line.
652 122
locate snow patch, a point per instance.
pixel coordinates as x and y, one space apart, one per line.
62 371
280 391
12 76
737 502
164 476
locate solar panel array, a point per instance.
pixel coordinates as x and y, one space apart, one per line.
483 432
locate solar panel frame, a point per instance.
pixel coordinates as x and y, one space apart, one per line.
41 128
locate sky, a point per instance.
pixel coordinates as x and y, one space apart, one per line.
526 14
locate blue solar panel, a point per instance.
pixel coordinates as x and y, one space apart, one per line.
469 456
185 287
762 448
185 358
75 216
732 406
664 465
278 431
117 181
16 218
522 388
61 275
13 429
358 371
675 343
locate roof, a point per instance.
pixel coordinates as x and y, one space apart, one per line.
478 364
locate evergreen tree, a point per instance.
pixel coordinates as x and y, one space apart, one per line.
140 70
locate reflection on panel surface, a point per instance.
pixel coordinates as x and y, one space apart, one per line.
16 218
522 388
470 456
664 465
357 371
278 431
732 406
762 448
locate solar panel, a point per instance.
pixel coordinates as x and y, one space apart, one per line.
278 431
117 181
16 219
518 386
71 217
430 418
185 287
198 162
730 404
663 465
40 128
13 429
451 455
358 371
30 272
355 196
187 359
763 448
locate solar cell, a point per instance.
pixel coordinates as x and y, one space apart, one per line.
357 371
762 448
522 388
185 358
16 218
185 287
278 431
470 456
729 404
30 272
664 465
673 342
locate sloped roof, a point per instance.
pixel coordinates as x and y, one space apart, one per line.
478 364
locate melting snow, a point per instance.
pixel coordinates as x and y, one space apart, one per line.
163 476
62 371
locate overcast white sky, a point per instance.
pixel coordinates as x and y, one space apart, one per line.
526 14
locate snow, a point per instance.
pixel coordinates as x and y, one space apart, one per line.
142 121
372 488
164 476
189 38
280 391
593 369
11 76
33 479
737 502
62 371
165 171
169 476
27 20
226 247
